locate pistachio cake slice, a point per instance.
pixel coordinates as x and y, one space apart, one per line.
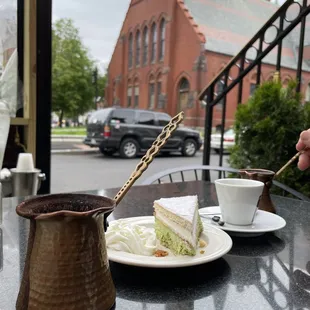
178 224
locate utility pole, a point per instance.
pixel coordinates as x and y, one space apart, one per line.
95 81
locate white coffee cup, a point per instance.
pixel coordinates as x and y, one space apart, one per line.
238 199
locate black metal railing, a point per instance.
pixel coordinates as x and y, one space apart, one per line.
282 24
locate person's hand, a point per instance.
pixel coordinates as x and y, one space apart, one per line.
304 142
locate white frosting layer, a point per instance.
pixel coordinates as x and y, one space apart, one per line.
179 230
131 238
181 206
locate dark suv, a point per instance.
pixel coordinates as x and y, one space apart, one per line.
131 131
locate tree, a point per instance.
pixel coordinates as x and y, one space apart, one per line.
102 81
99 84
72 87
267 129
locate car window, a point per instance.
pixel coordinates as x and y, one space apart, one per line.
123 116
146 118
163 119
99 116
229 132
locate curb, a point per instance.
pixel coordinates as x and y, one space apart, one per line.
79 140
67 138
75 151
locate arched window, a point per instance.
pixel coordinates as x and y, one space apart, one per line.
154 42
145 45
162 39
152 93
136 94
252 88
129 94
286 81
253 84
138 47
270 78
130 51
220 89
159 92
183 94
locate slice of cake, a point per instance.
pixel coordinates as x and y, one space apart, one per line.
177 224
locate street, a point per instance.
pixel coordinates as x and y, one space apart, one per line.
79 172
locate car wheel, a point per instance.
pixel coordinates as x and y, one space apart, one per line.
189 148
129 148
107 152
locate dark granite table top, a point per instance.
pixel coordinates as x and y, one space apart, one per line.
267 272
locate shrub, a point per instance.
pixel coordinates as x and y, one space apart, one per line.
267 129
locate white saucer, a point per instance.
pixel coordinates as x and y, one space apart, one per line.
263 222
218 244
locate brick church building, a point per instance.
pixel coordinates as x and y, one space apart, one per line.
169 50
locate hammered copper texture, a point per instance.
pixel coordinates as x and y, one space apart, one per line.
66 266
265 176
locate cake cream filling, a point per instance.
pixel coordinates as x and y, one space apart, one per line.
191 238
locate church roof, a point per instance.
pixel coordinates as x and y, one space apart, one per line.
228 25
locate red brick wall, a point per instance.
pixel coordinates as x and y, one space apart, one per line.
186 48
183 47
307 52
141 13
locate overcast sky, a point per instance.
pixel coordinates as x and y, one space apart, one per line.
99 22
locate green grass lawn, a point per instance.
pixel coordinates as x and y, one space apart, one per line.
80 131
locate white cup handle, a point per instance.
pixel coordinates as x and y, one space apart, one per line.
260 197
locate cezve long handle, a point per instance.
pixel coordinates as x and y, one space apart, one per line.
290 161
150 154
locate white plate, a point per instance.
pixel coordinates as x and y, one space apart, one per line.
218 244
263 222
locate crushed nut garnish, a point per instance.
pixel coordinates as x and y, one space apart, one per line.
202 252
202 243
160 253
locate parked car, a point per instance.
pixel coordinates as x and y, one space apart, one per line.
131 131
229 140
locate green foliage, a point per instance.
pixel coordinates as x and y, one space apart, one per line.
267 130
81 131
73 90
307 114
102 80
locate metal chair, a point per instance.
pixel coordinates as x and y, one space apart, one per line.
171 174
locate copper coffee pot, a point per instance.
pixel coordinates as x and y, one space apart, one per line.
66 263
265 176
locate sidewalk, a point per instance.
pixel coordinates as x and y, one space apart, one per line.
78 150
67 138
71 144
